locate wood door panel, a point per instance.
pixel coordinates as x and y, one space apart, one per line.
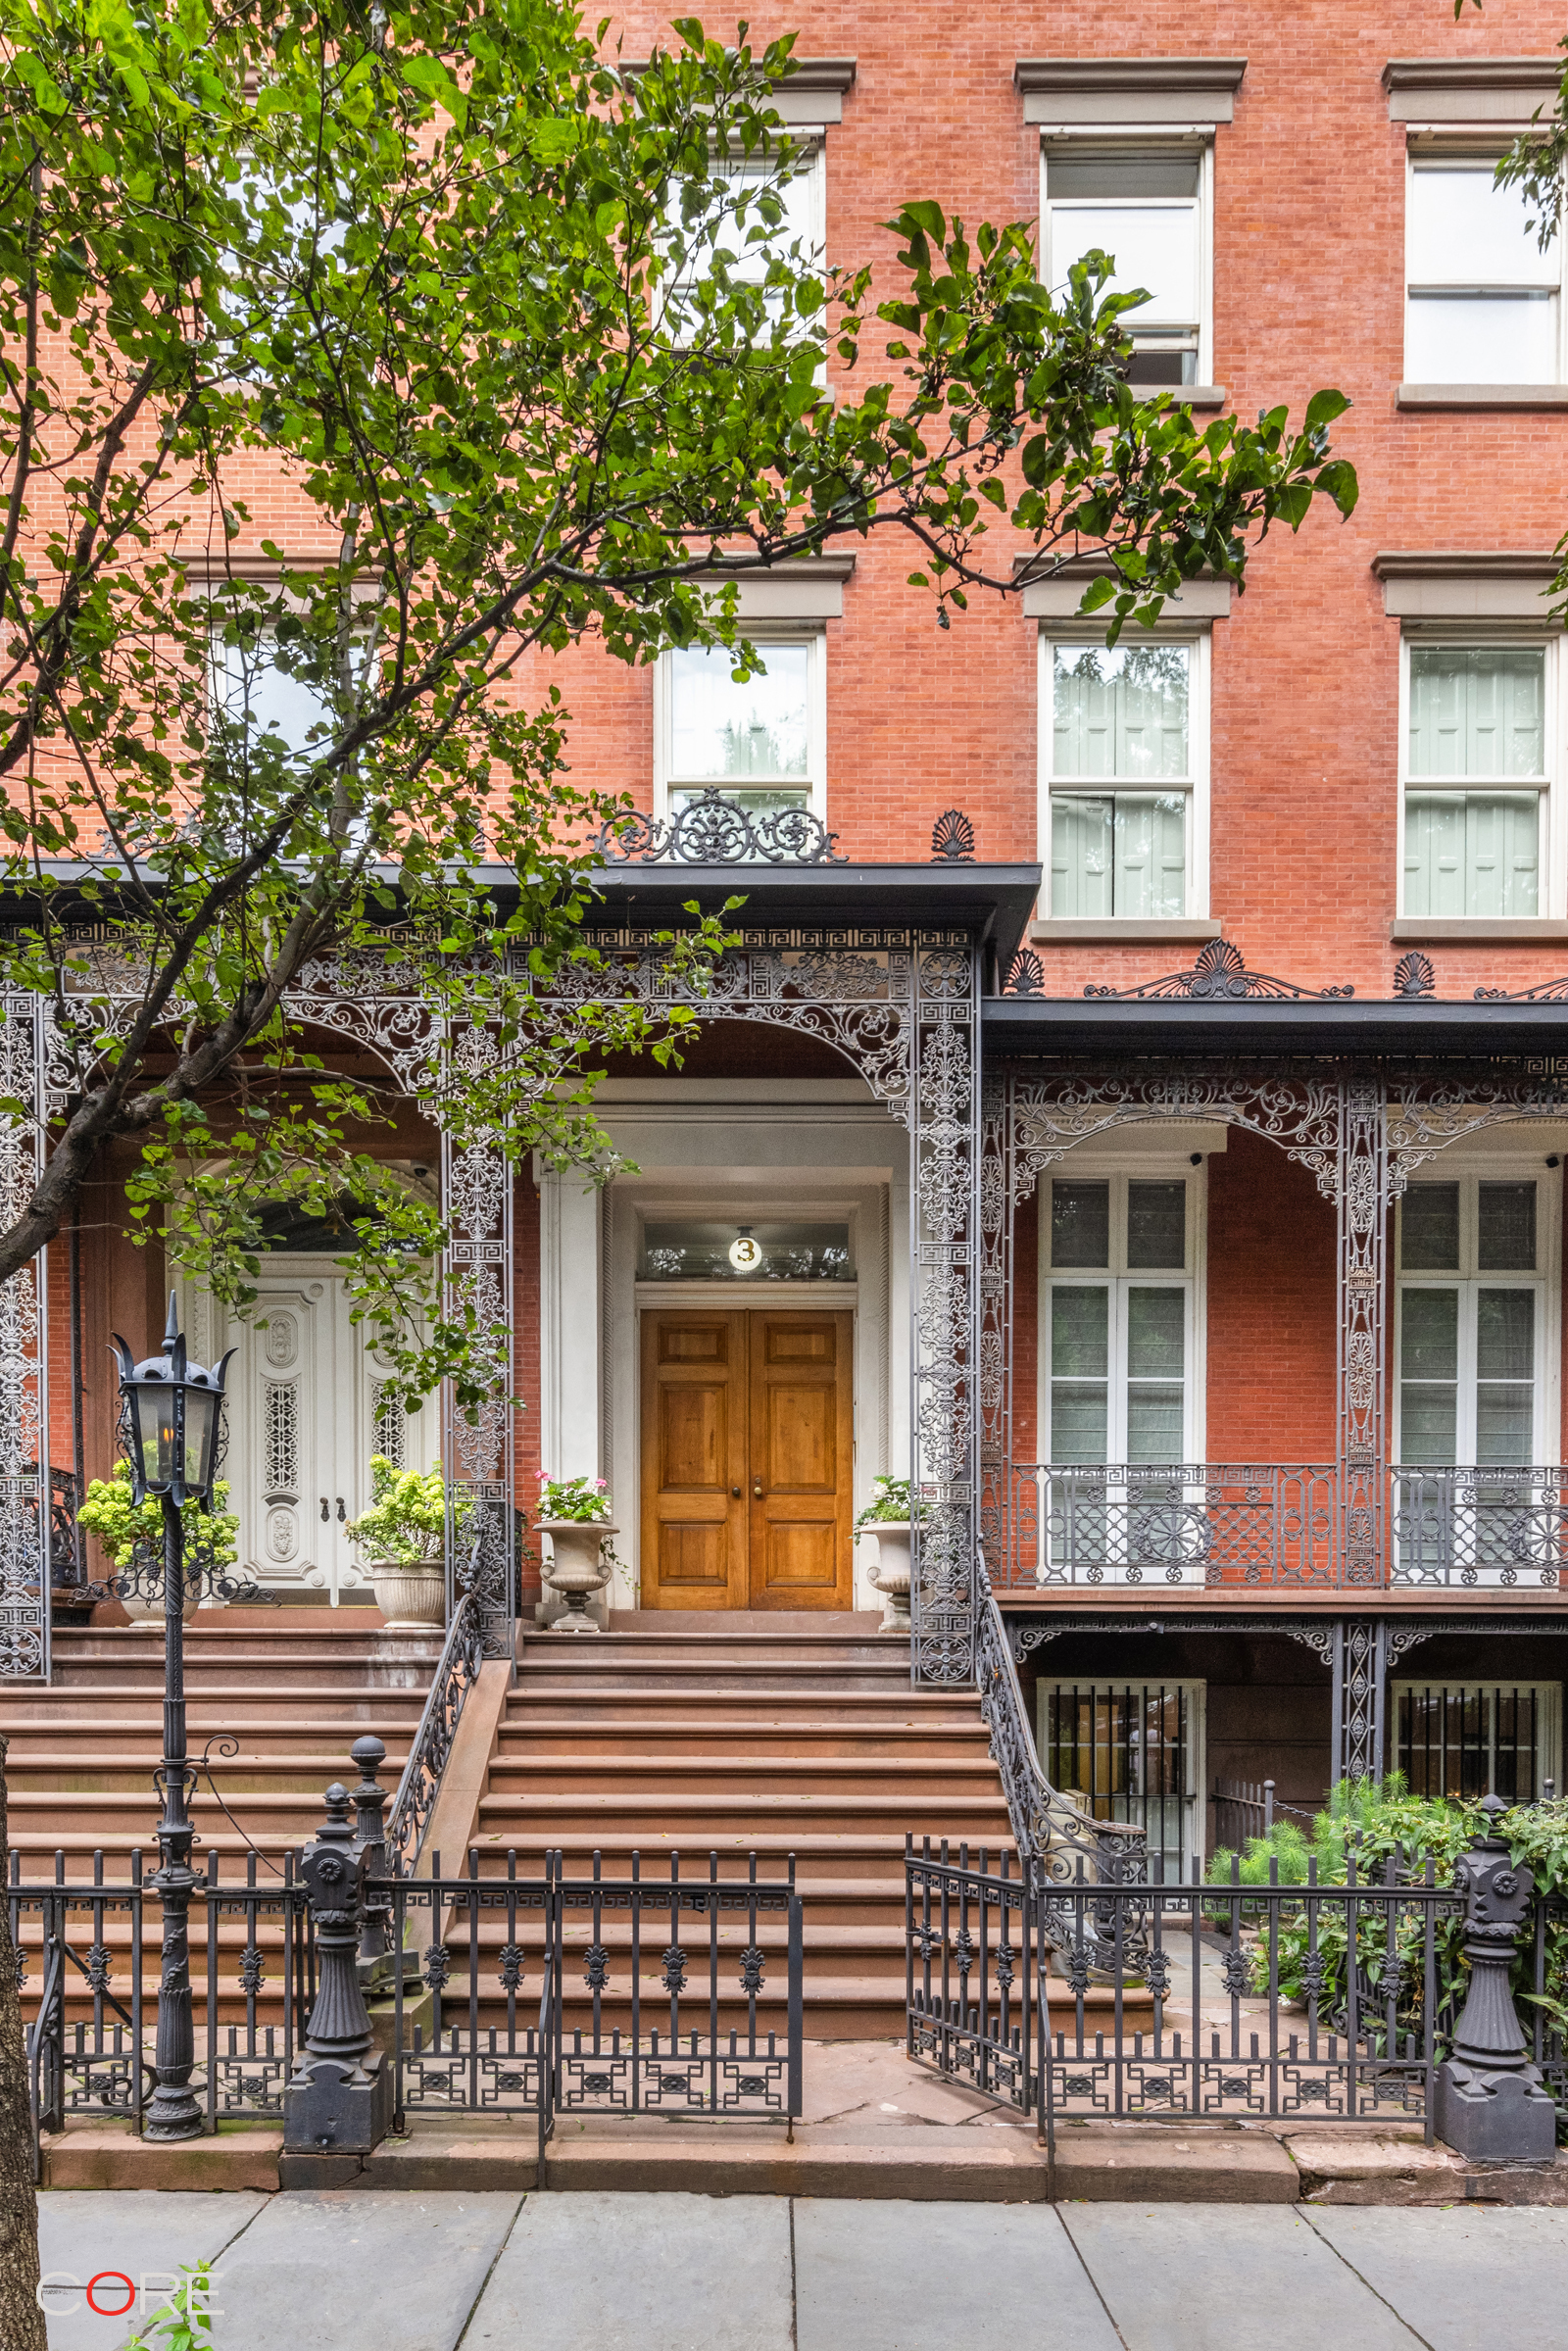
798 1450
694 1516
801 1451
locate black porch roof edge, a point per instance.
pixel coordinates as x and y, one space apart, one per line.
992 903
1399 1025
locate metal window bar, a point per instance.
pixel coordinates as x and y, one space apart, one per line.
1123 1755
1469 1741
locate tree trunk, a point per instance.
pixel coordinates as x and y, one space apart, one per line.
22 2326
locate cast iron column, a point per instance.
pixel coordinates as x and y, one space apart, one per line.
1491 2102
175 2111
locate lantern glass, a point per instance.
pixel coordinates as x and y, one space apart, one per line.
201 1435
153 1411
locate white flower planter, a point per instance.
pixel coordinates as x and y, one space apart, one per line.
577 1570
890 1574
410 1598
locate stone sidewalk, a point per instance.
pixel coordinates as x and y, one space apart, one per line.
362 2269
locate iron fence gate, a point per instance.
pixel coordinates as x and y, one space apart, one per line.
1179 2000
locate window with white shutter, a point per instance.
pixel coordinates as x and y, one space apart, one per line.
1122 772
1478 770
1483 298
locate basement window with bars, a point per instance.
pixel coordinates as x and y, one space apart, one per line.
1125 788
1477 784
1477 1739
1131 1752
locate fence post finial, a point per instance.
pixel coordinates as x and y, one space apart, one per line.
1492 2104
339 2099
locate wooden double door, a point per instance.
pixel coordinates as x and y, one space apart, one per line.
747 1458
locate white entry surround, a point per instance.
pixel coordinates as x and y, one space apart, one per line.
743 1148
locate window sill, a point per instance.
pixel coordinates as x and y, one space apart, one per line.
1204 396
1482 395
1475 930
1134 932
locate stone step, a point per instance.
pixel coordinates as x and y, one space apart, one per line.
690 1737
918 1779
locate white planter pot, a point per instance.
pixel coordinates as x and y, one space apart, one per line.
576 1569
410 1598
147 1616
890 1574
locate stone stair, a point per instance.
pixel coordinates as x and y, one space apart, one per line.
291 1696
783 1736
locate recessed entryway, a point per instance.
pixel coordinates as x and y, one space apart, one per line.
747 1458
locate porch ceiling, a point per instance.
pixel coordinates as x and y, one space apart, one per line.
1035 1024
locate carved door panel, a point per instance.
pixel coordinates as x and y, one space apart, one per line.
747 1460
801 1451
694 1512
305 1412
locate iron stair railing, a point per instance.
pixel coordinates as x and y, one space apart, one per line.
461 1655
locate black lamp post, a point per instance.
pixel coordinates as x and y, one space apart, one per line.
173 1412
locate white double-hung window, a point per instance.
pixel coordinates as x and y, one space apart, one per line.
1125 786
1482 302
1477 1267
1146 207
760 740
1120 1320
738 229
1480 751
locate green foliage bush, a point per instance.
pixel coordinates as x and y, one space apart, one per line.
119 1523
406 1523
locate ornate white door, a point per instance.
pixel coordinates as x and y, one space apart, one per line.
306 1413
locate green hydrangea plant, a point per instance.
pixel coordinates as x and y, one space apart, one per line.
406 1523
121 1523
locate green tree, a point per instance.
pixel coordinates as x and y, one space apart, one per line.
529 352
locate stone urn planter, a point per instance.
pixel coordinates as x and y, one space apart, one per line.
890 1574
576 1569
410 1598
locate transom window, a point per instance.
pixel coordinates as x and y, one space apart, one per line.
1483 298
760 740
1120 1313
1476 780
1144 207
1471 1323
1125 740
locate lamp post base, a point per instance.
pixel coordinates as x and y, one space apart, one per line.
334 2106
174 2113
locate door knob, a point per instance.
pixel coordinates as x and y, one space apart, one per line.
736 1491
325 1513
341 1512
757 1490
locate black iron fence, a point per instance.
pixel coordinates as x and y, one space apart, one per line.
659 1989
1167 2000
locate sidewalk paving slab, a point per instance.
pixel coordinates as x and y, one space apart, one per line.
139 2232
1223 2277
355 2270
648 2272
924 2277
1465 2279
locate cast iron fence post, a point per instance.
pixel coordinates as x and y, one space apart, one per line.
1492 2104
370 1800
340 2098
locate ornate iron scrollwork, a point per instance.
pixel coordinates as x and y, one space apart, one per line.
952 839
1220 974
1413 975
1026 974
711 830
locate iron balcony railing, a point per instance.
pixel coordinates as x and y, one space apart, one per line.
1282 1525
1161 1523
1478 1528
